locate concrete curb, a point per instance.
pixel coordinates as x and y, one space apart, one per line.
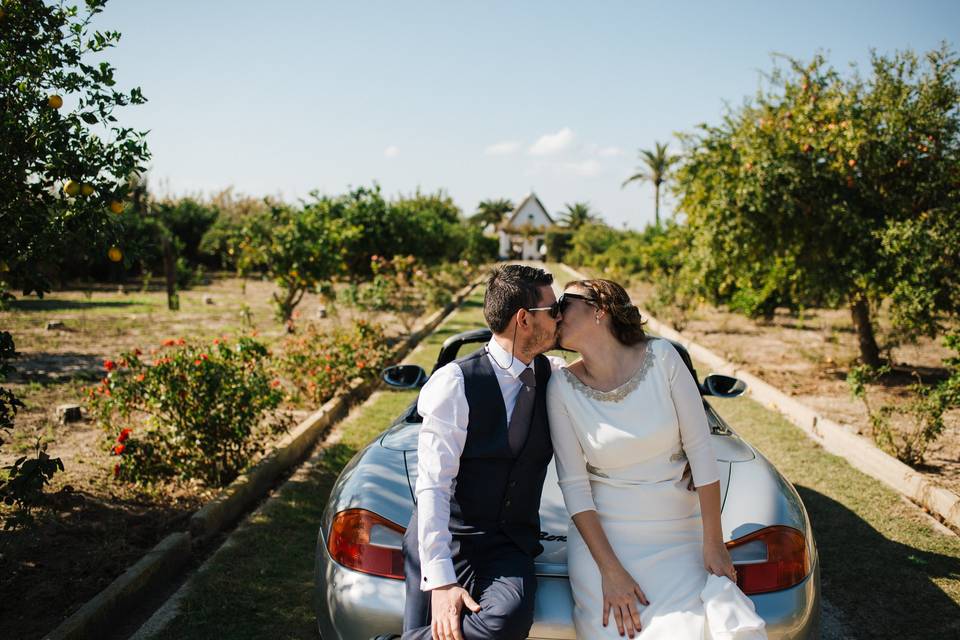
164 561
831 435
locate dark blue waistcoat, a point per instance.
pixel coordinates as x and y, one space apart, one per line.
496 491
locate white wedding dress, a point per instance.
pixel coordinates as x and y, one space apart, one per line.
623 453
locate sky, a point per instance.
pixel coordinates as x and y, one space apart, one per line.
480 99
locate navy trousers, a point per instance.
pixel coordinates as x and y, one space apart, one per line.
496 573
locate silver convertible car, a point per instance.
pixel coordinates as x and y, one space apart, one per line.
359 564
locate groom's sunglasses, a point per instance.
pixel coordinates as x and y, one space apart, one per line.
562 303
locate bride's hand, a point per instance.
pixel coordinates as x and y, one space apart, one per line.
620 595
717 560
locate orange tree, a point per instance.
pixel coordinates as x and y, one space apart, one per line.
826 189
299 249
64 161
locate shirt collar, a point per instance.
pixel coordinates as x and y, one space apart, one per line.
502 357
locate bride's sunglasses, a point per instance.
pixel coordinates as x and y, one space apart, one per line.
562 303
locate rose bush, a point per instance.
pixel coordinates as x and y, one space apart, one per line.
318 364
194 412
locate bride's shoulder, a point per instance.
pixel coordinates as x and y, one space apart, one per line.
656 346
561 376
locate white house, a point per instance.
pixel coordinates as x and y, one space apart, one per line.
523 229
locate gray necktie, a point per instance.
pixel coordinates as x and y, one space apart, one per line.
522 411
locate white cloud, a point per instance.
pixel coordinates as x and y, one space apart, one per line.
552 143
585 168
504 148
610 152
391 152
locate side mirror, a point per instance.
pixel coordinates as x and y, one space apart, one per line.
404 376
723 386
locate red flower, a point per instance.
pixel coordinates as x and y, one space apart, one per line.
124 434
109 365
216 341
360 364
118 449
137 352
116 470
203 356
275 384
181 341
169 342
141 377
198 361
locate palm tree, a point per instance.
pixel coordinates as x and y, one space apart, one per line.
491 212
658 164
577 215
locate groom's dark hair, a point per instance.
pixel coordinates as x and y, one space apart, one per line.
512 287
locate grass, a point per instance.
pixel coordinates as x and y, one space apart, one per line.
261 585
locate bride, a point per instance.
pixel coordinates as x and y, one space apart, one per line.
626 421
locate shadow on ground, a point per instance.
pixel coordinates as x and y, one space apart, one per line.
53 304
884 588
117 531
43 366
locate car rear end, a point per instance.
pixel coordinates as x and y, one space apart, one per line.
359 568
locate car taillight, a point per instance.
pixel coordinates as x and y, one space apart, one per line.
363 541
770 559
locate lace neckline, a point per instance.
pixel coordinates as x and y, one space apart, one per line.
619 393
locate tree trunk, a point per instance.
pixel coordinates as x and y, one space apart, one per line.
170 271
860 312
656 203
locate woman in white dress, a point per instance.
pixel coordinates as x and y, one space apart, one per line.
626 419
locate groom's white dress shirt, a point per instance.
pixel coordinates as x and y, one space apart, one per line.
443 405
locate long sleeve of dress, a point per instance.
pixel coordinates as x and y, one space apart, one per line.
694 428
571 464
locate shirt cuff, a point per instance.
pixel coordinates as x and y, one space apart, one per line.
438 573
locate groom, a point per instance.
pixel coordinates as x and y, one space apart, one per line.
482 454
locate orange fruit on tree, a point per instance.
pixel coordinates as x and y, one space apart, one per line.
86 190
115 254
116 207
71 188
54 101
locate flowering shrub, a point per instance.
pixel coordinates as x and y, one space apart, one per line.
319 364
193 412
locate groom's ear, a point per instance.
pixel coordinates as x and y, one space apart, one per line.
522 318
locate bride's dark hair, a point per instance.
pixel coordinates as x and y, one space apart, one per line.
625 321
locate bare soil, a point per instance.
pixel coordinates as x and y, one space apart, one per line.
90 528
808 356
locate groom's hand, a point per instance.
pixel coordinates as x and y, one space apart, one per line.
446 603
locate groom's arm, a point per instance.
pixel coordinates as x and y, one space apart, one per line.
443 405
